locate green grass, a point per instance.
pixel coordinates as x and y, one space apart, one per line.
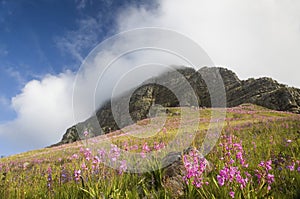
264 135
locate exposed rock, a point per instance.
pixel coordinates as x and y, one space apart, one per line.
70 136
174 163
91 125
175 171
263 91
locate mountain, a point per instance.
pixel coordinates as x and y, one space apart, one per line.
264 91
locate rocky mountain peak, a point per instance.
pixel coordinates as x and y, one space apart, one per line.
263 91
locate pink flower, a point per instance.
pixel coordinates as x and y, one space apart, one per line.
238 146
263 172
125 145
162 145
101 153
247 174
83 166
87 154
123 167
221 180
96 160
134 147
270 178
258 175
49 170
291 167
77 174
85 133
49 179
232 174
146 147
239 155
158 146
195 166
261 164
268 165
75 156
231 193
143 155
115 152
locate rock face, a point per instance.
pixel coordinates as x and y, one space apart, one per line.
72 134
174 173
265 92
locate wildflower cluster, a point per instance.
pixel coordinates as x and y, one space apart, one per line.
232 174
195 165
77 175
291 165
156 146
263 173
268 168
49 178
233 159
232 151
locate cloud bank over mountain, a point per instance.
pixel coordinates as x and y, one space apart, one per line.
253 38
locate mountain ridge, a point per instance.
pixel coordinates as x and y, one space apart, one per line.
262 91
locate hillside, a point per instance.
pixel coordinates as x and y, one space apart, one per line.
255 141
265 92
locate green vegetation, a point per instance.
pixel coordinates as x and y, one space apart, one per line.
257 156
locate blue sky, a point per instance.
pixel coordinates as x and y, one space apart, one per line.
33 36
47 38
43 43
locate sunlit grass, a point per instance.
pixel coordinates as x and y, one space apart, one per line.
264 135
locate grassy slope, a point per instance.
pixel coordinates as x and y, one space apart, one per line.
263 133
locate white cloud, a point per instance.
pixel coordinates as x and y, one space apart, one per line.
44 110
254 38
